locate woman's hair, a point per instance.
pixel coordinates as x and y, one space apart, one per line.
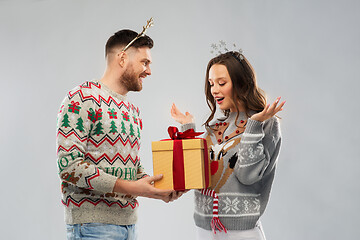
245 89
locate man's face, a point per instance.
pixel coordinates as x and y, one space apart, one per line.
137 69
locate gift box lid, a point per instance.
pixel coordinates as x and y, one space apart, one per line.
187 144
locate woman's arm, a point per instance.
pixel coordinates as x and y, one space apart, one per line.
259 149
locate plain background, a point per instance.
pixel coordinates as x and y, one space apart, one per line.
305 51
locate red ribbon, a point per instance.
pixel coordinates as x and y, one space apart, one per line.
178 166
178 156
188 134
206 164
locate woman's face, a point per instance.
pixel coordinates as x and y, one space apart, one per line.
221 87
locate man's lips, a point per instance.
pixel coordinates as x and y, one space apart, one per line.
141 78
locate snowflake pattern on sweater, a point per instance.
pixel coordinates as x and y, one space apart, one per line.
242 162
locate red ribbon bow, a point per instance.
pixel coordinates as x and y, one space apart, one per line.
188 134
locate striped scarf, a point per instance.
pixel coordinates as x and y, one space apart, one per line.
215 222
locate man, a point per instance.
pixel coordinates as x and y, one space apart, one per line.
98 140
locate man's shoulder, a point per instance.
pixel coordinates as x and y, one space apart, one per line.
86 89
86 93
89 91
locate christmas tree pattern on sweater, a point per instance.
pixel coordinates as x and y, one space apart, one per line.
98 140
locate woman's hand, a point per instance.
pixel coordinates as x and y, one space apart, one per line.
179 116
269 111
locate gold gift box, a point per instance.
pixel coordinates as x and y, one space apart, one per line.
194 163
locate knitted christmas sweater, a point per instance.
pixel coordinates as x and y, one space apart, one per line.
98 139
243 161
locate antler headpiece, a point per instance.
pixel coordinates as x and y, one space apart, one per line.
150 23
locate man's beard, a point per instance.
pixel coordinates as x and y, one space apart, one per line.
130 80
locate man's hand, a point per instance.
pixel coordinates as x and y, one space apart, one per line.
144 188
177 194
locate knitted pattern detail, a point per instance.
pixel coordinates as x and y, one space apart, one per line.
98 140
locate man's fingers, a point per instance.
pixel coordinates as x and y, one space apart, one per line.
167 195
163 192
178 195
175 195
154 178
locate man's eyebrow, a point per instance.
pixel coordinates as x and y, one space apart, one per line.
146 60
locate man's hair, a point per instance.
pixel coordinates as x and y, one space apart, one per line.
124 37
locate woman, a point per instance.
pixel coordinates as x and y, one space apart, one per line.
244 146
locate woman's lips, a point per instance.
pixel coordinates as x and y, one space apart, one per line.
219 100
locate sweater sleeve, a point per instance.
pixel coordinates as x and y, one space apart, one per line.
73 129
259 149
187 126
141 172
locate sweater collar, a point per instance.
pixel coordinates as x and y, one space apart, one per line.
111 92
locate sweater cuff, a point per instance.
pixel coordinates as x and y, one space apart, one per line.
104 182
187 126
253 126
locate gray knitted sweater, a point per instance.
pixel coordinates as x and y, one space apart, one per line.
243 161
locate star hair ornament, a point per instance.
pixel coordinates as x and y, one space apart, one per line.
221 48
149 24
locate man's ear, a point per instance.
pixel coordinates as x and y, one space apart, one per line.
121 58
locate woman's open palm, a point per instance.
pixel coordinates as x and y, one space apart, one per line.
179 116
269 111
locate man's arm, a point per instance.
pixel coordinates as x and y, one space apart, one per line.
73 131
144 188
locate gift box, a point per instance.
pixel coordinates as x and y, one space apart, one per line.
183 161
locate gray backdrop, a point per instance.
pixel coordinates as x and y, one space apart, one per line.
305 51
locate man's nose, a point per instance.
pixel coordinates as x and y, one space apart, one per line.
148 70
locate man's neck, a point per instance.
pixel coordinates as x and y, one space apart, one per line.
113 83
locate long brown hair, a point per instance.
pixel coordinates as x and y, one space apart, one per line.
245 89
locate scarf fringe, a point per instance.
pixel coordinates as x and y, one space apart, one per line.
217 225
